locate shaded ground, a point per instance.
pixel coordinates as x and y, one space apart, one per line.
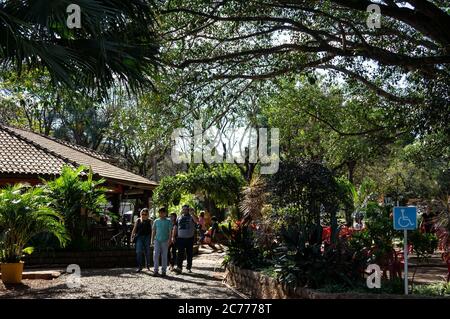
204 282
429 271
428 275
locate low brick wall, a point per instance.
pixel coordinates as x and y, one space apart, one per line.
260 286
255 284
86 259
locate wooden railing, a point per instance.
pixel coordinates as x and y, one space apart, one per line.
100 237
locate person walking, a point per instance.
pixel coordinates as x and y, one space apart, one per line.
185 238
162 230
201 227
172 255
141 233
210 236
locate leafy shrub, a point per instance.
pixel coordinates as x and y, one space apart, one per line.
437 289
71 193
424 244
305 196
241 248
24 213
221 183
316 266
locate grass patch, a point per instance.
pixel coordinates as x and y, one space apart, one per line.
437 289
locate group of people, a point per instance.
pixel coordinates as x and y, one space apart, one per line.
172 238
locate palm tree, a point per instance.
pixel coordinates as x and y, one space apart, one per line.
76 194
254 198
116 41
24 213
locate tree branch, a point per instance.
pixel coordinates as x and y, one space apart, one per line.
371 85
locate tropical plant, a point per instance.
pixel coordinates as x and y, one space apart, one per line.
423 244
242 251
217 185
375 242
443 229
435 289
253 198
115 41
305 195
301 261
347 194
24 213
76 195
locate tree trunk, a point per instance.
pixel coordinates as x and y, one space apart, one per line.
351 170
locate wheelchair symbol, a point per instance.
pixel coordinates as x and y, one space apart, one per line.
404 221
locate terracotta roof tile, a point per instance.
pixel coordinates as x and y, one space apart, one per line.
25 152
21 157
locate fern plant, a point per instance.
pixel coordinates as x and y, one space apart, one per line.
76 195
24 213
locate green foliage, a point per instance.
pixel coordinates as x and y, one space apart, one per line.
376 240
347 194
436 289
325 123
249 29
221 183
306 190
168 191
73 191
406 179
24 213
115 42
313 267
241 247
304 196
424 244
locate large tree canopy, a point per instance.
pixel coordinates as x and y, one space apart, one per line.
406 60
411 37
115 42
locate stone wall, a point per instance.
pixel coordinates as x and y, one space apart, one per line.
260 286
255 284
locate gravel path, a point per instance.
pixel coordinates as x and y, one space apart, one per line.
204 282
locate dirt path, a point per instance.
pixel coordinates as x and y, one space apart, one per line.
204 282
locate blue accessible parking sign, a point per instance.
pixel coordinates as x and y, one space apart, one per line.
405 217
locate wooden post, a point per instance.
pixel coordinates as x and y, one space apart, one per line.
115 201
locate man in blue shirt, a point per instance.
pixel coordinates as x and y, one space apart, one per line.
162 231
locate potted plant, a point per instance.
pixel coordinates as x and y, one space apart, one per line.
24 213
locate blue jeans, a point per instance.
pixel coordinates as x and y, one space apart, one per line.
185 246
161 249
143 246
202 235
172 254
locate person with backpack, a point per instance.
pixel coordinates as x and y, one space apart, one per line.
185 238
141 234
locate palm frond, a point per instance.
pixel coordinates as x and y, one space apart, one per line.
254 198
24 213
116 41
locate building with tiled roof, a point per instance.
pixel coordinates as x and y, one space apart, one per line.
27 157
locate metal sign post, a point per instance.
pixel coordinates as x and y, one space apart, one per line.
405 257
405 218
